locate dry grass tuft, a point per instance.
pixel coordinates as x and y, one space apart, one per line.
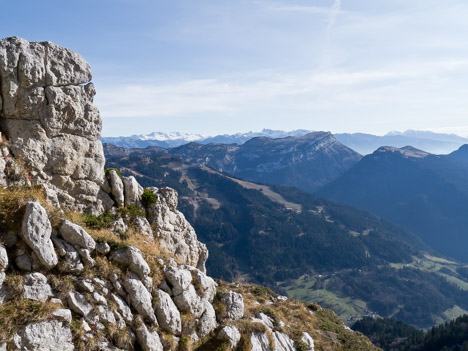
13 283
12 202
79 341
62 284
19 312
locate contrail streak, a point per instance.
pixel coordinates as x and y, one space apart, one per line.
335 10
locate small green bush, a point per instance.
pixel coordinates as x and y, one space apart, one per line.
131 212
148 198
99 222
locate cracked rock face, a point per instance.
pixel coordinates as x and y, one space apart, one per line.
46 335
48 116
175 233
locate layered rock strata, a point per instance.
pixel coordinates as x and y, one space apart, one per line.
51 124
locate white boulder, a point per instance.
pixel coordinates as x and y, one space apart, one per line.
148 339
117 187
50 335
36 287
260 342
167 313
234 305
230 334
36 232
140 298
207 321
78 303
308 340
76 235
132 257
283 342
132 190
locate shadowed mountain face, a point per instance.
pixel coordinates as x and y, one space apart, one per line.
461 154
423 192
307 247
307 162
272 228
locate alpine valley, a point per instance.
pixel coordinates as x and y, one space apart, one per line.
301 245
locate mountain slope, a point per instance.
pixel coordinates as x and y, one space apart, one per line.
461 154
423 192
394 335
307 162
300 244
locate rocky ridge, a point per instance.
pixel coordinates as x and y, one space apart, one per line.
91 260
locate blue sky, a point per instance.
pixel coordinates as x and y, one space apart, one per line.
223 66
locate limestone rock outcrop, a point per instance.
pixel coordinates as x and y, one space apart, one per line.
140 298
230 334
234 305
50 121
175 233
167 313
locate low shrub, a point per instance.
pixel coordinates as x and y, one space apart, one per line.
148 197
104 220
131 213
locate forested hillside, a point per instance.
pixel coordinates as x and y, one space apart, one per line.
423 192
307 247
392 335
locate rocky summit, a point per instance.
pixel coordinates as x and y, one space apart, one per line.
52 126
89 260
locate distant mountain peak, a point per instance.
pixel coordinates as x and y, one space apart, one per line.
175 139
300 138
461 153
406 151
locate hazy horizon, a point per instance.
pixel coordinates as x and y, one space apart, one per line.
284 130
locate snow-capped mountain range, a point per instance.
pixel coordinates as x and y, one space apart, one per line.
174 139
437 143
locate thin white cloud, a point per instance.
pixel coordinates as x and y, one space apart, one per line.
281 7
335 11
306 90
